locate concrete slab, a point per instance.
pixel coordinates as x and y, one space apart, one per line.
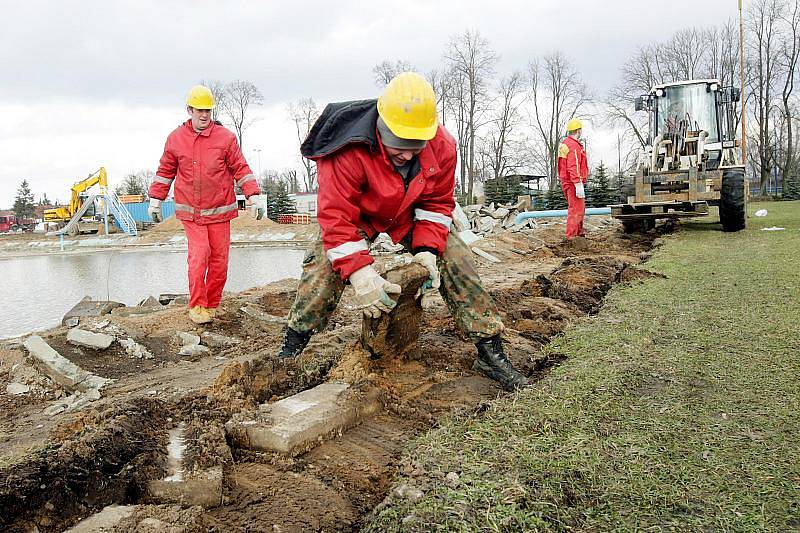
168 298
486 255
105 521
187 338
395 334
60 369
254 312
89 339
192 350
137 310
214 340
299 423
89 307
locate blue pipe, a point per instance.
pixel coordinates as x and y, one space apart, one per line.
559 213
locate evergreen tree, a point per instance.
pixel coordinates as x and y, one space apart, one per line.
284 205
502 190
555 199
599 193
791 187
23 203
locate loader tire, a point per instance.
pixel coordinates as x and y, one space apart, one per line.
731 201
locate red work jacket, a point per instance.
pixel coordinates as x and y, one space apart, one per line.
360 190
203 166
572 164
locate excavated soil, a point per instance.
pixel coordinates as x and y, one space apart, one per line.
59 469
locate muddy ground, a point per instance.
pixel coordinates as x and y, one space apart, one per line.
59 469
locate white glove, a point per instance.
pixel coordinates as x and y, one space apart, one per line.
258 206
579 192
372 291
434 281
155 210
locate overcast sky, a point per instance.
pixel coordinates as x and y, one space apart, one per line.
92 83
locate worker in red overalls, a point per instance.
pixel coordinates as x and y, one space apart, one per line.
204 159
573 170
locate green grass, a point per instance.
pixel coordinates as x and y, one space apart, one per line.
677 409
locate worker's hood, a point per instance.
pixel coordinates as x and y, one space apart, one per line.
340 124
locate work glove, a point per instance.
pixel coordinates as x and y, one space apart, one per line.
154 211
430 287
372 291
579 192
258 206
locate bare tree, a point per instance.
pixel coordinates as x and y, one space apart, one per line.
788 58
501 144
386 70
440 80
473 62
685 53
304 114
239 98
136 183
763 45
557 93
218 90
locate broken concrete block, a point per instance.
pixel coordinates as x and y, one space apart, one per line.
460 219
214 340
188 339
87 307
60 369
395 334
150 301
104 521
136 310
500 212
299 423
16 389
254 312
485 255
468 237
88 339
71 322
193 350
134 349
485 225
178 299
72 402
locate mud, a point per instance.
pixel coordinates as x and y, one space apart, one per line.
106 453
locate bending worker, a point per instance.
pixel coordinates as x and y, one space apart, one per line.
387 166
573 170
203 159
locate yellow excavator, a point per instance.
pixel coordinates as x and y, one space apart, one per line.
63 214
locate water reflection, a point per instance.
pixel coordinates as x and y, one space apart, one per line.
37 291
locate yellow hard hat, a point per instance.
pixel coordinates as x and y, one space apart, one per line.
574 124
200 97
408 107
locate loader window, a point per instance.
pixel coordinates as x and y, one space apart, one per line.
689 106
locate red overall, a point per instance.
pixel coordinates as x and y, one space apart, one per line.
203 166
573 169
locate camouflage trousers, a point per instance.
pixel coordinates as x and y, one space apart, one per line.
472 307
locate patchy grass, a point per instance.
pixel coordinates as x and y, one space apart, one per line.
678 406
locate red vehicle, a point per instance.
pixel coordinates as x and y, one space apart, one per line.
12 223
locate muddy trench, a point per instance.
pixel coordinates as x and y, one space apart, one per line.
108 456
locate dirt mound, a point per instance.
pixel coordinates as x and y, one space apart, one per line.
243 223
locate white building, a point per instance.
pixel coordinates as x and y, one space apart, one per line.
306 202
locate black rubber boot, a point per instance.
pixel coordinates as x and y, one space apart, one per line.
293 343
493 363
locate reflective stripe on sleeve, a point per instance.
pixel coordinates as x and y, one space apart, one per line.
162 179
432 216
184 207
244 179
348 248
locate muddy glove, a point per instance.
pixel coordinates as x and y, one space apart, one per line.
155 210
579 192
258 206
427 292
372 291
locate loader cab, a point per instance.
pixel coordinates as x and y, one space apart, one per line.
685 111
